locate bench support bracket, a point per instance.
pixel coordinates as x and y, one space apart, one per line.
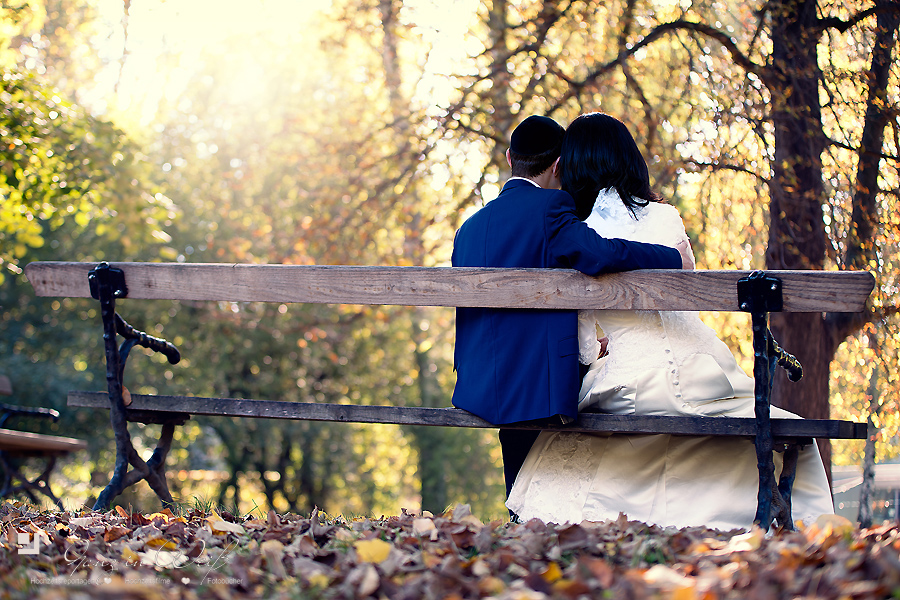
760 294
108 283
40 484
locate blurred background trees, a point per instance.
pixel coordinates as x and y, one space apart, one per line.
364 132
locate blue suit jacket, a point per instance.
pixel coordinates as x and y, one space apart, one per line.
518 365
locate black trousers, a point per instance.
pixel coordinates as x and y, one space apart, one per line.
516 443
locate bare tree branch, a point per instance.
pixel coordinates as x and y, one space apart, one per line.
714 166
655 34
843 25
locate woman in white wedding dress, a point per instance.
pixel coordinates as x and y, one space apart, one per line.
657 363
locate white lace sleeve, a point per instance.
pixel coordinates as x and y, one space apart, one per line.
666 225
588 345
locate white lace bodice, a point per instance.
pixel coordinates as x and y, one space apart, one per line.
655 223
644 340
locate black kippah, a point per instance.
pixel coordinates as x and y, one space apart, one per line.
536 135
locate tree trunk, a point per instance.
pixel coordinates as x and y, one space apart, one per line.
867 487
389 61
501 117
860 245
864 221
429 441
797 229
797 238
307 482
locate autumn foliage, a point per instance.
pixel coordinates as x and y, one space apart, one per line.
205 554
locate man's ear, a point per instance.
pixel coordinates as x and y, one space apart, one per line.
508 159
556 166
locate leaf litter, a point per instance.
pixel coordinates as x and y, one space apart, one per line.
120 554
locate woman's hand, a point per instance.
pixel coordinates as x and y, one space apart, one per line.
687 254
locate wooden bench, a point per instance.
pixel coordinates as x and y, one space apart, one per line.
16 446
755 292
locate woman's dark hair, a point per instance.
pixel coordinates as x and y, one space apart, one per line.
598 152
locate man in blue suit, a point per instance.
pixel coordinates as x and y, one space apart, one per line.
516 365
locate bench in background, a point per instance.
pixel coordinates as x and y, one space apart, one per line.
16 446
755 292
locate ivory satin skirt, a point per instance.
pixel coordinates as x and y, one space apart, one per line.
666 480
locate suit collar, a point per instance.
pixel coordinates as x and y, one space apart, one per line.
519 182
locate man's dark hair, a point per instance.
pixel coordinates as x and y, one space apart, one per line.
534 145
534 165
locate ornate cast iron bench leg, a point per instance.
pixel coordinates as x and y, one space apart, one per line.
40 484
760 294
107 284
788 473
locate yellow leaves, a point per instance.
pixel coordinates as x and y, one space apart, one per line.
552 573
678 586
372 551
82 219
491 586
129 555
828 529
319 580
423 526
220 526
161 543
747 542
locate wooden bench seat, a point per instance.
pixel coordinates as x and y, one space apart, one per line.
757 293
143 406
24 443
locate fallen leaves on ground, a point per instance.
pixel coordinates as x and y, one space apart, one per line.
117 554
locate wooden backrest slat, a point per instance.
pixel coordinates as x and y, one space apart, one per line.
803 291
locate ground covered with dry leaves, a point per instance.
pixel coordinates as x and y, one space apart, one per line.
205 554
